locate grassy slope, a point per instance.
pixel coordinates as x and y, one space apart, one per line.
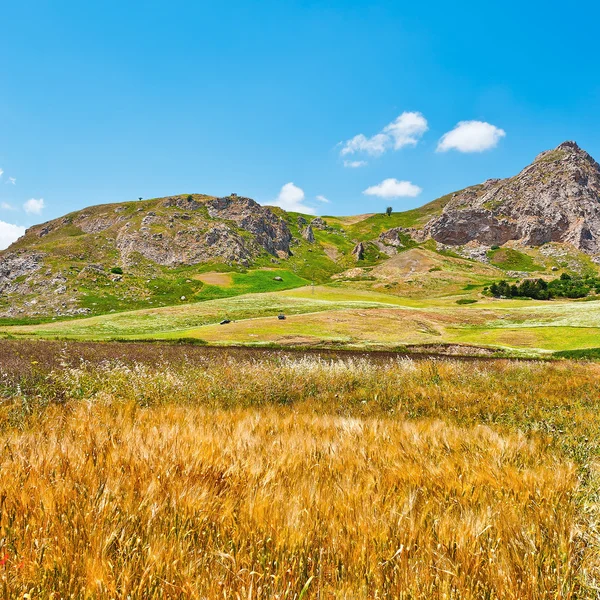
513 260
372 225
357 318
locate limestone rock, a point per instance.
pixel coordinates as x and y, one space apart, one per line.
308 234
318 223
555 199
359 251
14 265
271 232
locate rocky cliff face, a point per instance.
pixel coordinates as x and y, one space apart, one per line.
207 231
555 199
270 232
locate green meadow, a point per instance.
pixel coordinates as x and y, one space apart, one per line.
343 316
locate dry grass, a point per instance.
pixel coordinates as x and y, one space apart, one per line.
220 477
214 278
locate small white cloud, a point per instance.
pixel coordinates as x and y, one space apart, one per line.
406 130
1 172
291 198
12 180
374 146
322 199
355 164
471 136
9 233
33 206
6 206
392 188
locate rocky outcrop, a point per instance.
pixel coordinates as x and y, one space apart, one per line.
391 237
186 246
15 265
318 223
270 232
308 234
555 199
358 251
95 224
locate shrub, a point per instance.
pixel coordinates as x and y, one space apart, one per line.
117 270
564 287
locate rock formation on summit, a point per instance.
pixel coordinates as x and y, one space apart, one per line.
555 199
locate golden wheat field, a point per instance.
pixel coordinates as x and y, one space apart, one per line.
138 471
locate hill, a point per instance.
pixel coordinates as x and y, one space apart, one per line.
190 248
555 199
166 251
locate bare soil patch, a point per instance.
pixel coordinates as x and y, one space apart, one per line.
214 278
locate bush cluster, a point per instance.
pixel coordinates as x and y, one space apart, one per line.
566 286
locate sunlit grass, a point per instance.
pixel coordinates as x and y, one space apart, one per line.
212 476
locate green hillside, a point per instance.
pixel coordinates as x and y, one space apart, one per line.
193 248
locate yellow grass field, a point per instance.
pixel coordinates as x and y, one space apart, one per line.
192 473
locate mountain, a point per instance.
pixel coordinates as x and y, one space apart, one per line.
176 249
555 199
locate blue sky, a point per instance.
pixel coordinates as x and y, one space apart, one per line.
109 101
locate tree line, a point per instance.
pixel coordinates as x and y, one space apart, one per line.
566 286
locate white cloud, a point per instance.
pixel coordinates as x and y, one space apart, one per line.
33 206
406 130
12 180
9 233
6 206
322 199
1 172
392 188
374 146
291 198
471 136
355 164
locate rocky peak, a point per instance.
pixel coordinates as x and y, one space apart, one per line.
567 152
555 199
569 145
